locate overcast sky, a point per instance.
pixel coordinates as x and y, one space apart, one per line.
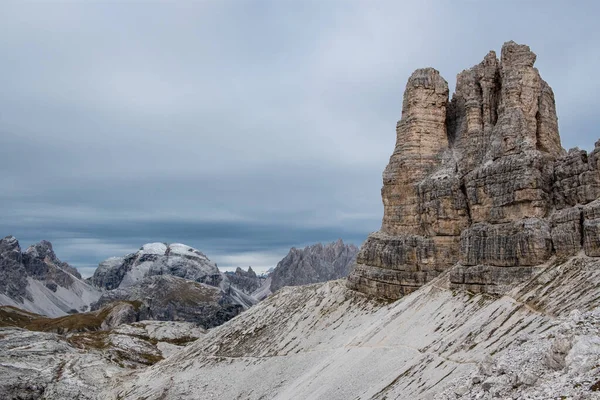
241 128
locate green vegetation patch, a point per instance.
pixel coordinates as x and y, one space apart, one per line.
91 321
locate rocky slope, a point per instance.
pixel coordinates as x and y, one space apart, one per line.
170 298
74 357
480 182
541 340
316 263
36 280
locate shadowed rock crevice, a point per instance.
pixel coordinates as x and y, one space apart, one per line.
479 182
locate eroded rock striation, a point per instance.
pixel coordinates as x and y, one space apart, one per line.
436 343
480 182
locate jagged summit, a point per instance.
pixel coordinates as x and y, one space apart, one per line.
37 281
481 182
316 263
44 251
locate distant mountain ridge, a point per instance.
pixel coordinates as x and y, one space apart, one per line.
314 264
36 280
173 282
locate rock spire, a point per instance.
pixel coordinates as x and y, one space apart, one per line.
480 183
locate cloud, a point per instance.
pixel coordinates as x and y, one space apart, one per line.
241 128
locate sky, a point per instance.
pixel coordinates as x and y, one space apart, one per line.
239 127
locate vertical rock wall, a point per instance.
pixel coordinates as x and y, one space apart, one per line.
480 182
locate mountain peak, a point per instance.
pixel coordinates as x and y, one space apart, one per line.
38 281
156 259
480 182
315 263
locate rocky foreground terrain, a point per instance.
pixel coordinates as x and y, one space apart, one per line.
541 340
483 281
74 356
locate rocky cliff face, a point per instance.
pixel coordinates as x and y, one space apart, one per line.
37 281
316 263
480 182
170 298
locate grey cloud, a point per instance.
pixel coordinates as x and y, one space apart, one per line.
239 127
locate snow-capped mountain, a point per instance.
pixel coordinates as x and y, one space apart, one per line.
37 281
156 259
136 276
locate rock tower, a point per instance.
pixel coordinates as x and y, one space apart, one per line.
480 183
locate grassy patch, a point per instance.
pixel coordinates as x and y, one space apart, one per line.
90 340
181 341
91 321
12 316
191 293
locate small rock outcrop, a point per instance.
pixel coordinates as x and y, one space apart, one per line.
77 356
313 264
480 183
37 281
